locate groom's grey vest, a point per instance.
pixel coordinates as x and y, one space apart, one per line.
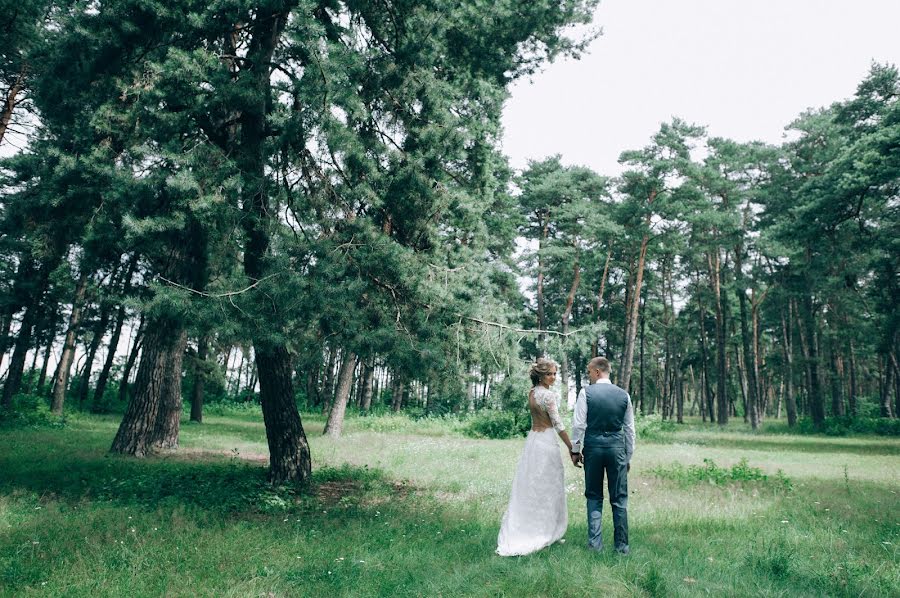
606 407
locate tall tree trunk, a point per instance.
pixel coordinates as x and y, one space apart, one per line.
787 348
641 363
289 456
114 339
368 377
888 386
747 342
816 406
137 431
397 390
567 313
48 353
335 424
200 373
132 358
704 355
721 369
84 385
168 418
854 409
20 352
542 338
631 330
595 349
61 382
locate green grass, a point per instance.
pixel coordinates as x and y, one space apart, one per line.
405 508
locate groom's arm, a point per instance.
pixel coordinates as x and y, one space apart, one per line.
628 427
579 421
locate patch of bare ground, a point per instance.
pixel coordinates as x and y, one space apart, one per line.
197 454
333 492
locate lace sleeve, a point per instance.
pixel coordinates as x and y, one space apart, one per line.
547 399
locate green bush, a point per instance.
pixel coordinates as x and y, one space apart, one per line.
711 473
653 426
30 411
499 424
845 425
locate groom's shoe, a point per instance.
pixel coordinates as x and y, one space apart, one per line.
623 550
597 548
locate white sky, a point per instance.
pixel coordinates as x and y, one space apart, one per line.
744 70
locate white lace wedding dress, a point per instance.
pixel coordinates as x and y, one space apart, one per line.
537 515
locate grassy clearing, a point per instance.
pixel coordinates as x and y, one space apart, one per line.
407 508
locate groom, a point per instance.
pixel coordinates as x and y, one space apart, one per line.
603 439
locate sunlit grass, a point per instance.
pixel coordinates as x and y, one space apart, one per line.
418 512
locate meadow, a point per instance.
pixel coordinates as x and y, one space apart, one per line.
399 507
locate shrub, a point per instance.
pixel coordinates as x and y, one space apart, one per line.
652 426
711 473
499 424
30 411
845 425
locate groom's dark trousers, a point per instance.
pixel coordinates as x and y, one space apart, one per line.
605 456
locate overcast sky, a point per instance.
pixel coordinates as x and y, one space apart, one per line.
743 69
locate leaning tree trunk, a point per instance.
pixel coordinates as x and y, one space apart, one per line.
138 428
168 418
68 354
335 424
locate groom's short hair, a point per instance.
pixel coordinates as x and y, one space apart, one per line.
601 363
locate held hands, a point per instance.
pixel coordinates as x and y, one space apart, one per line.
577 459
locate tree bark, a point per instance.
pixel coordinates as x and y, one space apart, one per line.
289 456
138 429
335 424
61 382
168 417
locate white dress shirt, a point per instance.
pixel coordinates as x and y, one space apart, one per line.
579 422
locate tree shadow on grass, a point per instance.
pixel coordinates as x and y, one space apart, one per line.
211 483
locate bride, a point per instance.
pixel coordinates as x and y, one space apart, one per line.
537 516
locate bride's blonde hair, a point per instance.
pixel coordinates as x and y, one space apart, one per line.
541 368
